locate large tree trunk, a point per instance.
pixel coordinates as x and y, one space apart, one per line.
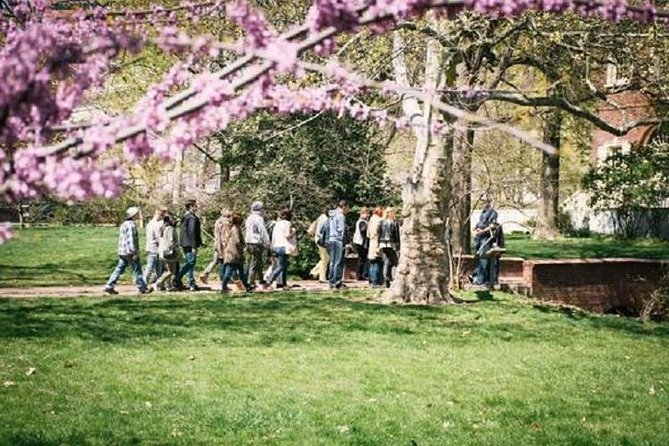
461 188
550 179
423 271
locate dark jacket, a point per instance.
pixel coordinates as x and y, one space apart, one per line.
191 234
389 233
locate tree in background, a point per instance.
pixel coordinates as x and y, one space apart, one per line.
629 185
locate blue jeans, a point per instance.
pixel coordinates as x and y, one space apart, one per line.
389 262
375 272
152 265
280 271
336 249
189 267
123 262
227 270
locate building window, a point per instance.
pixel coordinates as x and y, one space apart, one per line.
611 148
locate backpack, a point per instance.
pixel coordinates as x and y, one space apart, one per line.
324 234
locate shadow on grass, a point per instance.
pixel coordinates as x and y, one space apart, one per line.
291 318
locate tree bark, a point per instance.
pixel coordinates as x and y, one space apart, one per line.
550 179
423 270
461 188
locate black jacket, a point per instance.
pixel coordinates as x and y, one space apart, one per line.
389 232
191 234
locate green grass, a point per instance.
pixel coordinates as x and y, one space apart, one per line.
308 369
591 247
65 255
86 255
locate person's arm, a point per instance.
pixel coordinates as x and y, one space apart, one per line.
264 235
133 241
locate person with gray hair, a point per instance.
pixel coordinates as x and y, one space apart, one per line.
257 243
128 254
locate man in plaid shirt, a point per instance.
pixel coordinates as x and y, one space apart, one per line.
128 254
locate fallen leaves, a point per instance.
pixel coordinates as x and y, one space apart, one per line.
31 371
8 384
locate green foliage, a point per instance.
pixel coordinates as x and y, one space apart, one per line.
630 183
320 369
303 163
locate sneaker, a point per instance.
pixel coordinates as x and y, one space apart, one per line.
148 290
193 288
204 278
110 290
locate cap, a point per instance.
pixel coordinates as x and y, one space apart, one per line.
131 212
256 206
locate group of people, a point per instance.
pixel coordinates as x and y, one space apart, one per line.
376 240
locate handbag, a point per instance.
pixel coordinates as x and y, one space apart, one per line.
291 248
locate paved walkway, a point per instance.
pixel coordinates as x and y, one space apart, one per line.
131 290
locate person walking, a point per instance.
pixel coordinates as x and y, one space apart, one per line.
282 235
336 240
216 259
361 243
153 230
167 253
389 242
230 248
190 240
128 254
374 254
320 271
257 243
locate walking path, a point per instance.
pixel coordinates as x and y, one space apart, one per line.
131 290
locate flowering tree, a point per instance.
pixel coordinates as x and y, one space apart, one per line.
51 60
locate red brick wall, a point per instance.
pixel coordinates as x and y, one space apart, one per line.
594 284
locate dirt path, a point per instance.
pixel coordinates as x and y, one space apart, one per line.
131 290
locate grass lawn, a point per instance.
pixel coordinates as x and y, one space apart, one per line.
58 255
291 368
87 255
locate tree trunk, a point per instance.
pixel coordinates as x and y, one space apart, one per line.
550 179
423 270
461 188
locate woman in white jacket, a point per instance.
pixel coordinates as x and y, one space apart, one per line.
283 245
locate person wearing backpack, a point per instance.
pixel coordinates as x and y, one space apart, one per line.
336 240
320 271
167 253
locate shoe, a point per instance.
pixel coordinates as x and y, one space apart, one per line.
178 287
193 288
110 290
341 286
204 278
148 290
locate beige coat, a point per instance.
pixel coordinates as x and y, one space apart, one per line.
373 233
229 243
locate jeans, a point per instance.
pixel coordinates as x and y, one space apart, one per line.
255 263
169 270
227 270
375 278
336 249
152 265
363 263
389 262
123 262
487 271
189 267
280 271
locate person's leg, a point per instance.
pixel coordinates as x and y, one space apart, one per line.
254 263
226 271
204 277
360 267
284 272
243 276
481 274
150 266
494 271
277 271
188 267
165 275
336 264
387 266
116 274
340 265
191 271
325 260
137 272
